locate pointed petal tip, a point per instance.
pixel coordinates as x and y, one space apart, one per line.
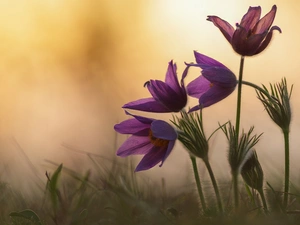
196 53
142 167
188 64
127 113
276 28
226 29
255 8
137 170
127 106
200 58
195 108
209 18
116 127
121 154
147 83
173 65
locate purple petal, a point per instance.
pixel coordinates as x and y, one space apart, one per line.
162 93
239 39
267 40
253 42
146 104
198 87
195 108
141 118
169 150
171 77
214 95
251 18
152 158
184 74
205 61
244 45
226 29
135 145
162 130
265 23
160 90
131 126
220 76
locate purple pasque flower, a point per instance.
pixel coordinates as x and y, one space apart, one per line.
215 83
153 138
252 35
168 96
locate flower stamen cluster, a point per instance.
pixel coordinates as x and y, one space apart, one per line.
157 142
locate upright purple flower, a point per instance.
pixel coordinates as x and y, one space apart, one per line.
168 96
252 35
215 83
153 138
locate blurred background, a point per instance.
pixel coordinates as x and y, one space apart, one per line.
67 67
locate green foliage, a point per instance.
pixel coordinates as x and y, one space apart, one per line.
191 133
252 172
239 148
113 194
26 216
52 186
277 103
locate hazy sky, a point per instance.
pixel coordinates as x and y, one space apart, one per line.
67 67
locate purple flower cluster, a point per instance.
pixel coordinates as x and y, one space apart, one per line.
155 139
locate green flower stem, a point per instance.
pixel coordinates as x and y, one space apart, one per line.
235 176
259 89
263 199
237 129
239 98
215 185
287 168
198 183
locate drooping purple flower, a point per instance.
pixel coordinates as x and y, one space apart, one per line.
215 83
168 96
153 138
252 35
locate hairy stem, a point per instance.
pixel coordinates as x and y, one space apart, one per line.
237 129
198 183
239 98
235 175
287 168
215 185
263 199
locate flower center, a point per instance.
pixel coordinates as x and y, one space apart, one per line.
211 85
157 142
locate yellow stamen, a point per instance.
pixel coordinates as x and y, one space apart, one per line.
157 142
